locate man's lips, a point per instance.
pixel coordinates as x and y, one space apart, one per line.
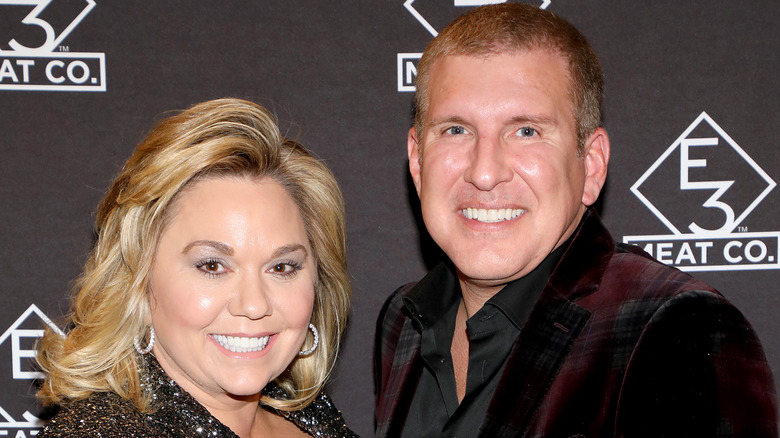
491 215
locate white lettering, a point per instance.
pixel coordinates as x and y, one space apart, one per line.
26 64
7 71
727 251
685 254
720 187
84 70
664 250
50 75
761 251
686 162
17 354
477 2
411 72
704 246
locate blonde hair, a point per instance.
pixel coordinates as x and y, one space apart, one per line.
225 137
513 27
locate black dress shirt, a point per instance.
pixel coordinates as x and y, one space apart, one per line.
492 331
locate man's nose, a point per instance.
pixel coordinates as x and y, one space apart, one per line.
489 166
251 298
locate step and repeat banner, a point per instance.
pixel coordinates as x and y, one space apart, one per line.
692 109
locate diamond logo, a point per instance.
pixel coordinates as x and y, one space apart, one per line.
702 188
697 159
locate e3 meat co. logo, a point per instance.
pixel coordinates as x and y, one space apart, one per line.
32 54
423 11
702 188
18 408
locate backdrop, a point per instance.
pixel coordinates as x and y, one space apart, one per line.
692 107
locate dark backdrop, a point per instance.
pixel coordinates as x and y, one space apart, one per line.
74 104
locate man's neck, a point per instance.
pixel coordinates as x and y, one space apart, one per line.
459 350
474 296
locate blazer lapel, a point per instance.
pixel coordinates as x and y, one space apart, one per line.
533 364
551 329
402 383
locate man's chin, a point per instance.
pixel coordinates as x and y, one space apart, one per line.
486 278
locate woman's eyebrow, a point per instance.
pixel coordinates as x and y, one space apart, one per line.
224 248
290 248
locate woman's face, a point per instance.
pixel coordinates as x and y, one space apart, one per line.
232 287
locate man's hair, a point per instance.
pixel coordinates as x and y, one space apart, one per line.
514 27
228 138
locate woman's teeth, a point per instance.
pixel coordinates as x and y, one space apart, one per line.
241 344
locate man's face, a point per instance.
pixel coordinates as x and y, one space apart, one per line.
500 181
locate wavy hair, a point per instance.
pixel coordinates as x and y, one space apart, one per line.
109 305
513 27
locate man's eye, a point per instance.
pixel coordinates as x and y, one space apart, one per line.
526 131
455 130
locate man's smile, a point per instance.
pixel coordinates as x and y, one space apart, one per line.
491 215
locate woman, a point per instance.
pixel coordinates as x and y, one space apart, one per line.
216 295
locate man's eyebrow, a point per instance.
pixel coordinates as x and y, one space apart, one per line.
537 120
457 120
224 248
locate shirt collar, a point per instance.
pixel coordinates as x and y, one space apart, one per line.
433 295
517 299
438 291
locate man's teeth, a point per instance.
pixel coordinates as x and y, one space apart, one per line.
241 344
492 215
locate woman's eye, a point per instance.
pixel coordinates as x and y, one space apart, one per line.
285 269
282 268
211 267
526 131
455 130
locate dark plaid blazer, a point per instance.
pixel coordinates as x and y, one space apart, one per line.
618 345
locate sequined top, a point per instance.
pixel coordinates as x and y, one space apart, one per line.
178 414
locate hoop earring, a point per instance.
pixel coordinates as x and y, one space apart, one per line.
148 348
316 342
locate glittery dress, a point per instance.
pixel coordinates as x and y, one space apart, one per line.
178 414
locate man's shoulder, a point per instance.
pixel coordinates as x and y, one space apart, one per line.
631 267
633 283
394 312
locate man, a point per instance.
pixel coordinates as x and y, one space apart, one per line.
539 324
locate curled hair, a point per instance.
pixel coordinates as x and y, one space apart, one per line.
224 137
516 27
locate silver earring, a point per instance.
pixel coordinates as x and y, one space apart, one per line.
148 348
316 342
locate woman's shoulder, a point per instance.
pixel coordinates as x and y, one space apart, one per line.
101 414
321 419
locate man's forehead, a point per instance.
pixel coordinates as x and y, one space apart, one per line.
522 69
496 51
452 67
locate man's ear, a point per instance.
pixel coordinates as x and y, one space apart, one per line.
596 161
413 151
